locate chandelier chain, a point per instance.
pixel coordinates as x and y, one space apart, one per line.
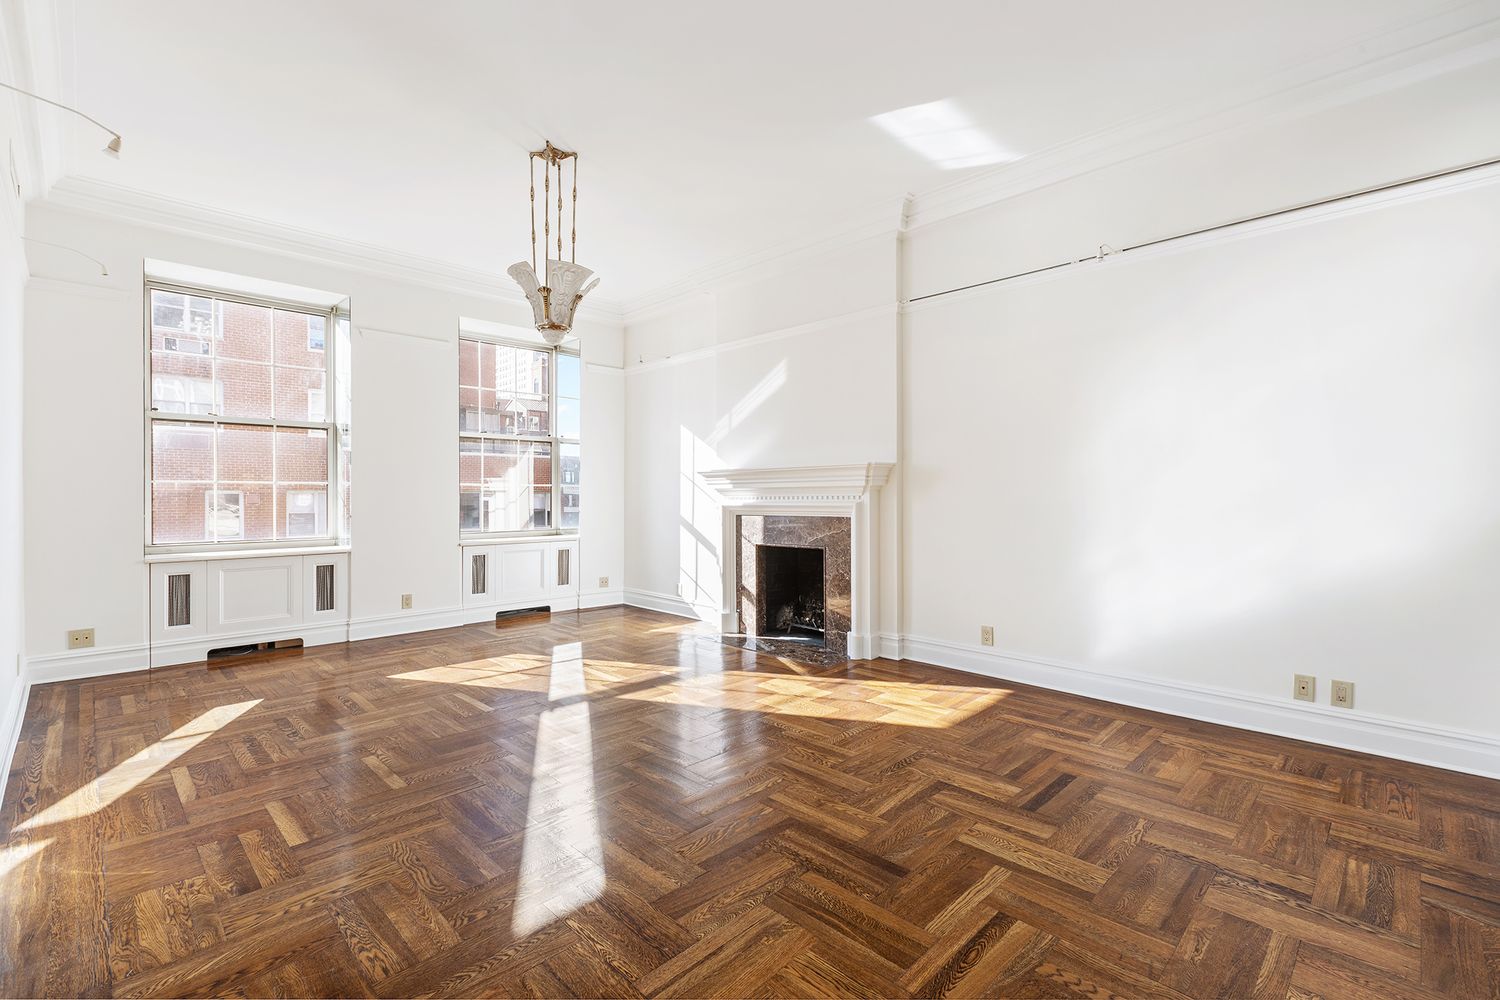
573 245
531 169
546 219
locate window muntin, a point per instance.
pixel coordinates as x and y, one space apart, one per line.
241 443
509 405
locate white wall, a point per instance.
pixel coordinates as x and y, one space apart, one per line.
1173 479
1228 464
12 281
83 371
790 365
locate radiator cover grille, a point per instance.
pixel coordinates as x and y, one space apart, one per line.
324 581
179 599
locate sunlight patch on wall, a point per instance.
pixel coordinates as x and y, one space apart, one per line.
123 777
944 134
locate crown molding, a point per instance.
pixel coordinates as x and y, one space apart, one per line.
85 196
1436 44
1460 35
886 217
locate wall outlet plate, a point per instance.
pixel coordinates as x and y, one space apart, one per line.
405 602
603 582
1341 694
1305 687
80 638
986 635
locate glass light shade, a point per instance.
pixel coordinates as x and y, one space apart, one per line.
553 304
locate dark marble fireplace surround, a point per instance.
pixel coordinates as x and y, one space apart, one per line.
831 534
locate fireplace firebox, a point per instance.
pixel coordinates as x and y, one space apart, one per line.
789 580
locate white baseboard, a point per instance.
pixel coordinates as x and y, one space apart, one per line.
401 623
600 599
671 605
1453 749
76 664
10 724
889 646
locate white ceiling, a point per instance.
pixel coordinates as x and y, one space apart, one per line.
707 130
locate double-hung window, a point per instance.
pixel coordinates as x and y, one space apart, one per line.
518 438
243 446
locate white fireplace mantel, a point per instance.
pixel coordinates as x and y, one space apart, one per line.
851 491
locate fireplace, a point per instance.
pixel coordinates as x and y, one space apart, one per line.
792 585
789 597
831 510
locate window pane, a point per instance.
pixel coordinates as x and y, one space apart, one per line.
257 511
246 388
514 476
568 463
522 386
246 332
300 394
168 312
182 469
296 335
569 386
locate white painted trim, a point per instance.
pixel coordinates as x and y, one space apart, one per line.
882 218
1229 232
600 599
1437 746
78 664
1424 47
890 647
408 622
172 652
800 483
671 605
89 197
10 726
882 311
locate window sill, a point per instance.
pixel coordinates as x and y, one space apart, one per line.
551 536
205 555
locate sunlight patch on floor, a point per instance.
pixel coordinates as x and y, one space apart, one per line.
562 855
89 798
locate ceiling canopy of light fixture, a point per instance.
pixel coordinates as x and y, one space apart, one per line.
554 296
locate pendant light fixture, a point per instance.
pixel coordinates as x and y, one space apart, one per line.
554 297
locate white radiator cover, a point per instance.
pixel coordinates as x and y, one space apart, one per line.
247 599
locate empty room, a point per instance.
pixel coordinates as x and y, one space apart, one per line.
991 498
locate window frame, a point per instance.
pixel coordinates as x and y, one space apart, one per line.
335 534
554 440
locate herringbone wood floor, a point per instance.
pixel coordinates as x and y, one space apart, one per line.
612 804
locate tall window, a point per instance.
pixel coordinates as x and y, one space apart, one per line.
242 444
518 451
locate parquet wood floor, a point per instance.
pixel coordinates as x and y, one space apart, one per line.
613 804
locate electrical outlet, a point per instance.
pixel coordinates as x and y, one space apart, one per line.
1305 687
405 602
80 638
1341 694
986 635
603 583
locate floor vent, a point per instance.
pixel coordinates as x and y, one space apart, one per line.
523 614
179 599
220 657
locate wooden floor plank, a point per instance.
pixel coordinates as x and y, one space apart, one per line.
654 813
